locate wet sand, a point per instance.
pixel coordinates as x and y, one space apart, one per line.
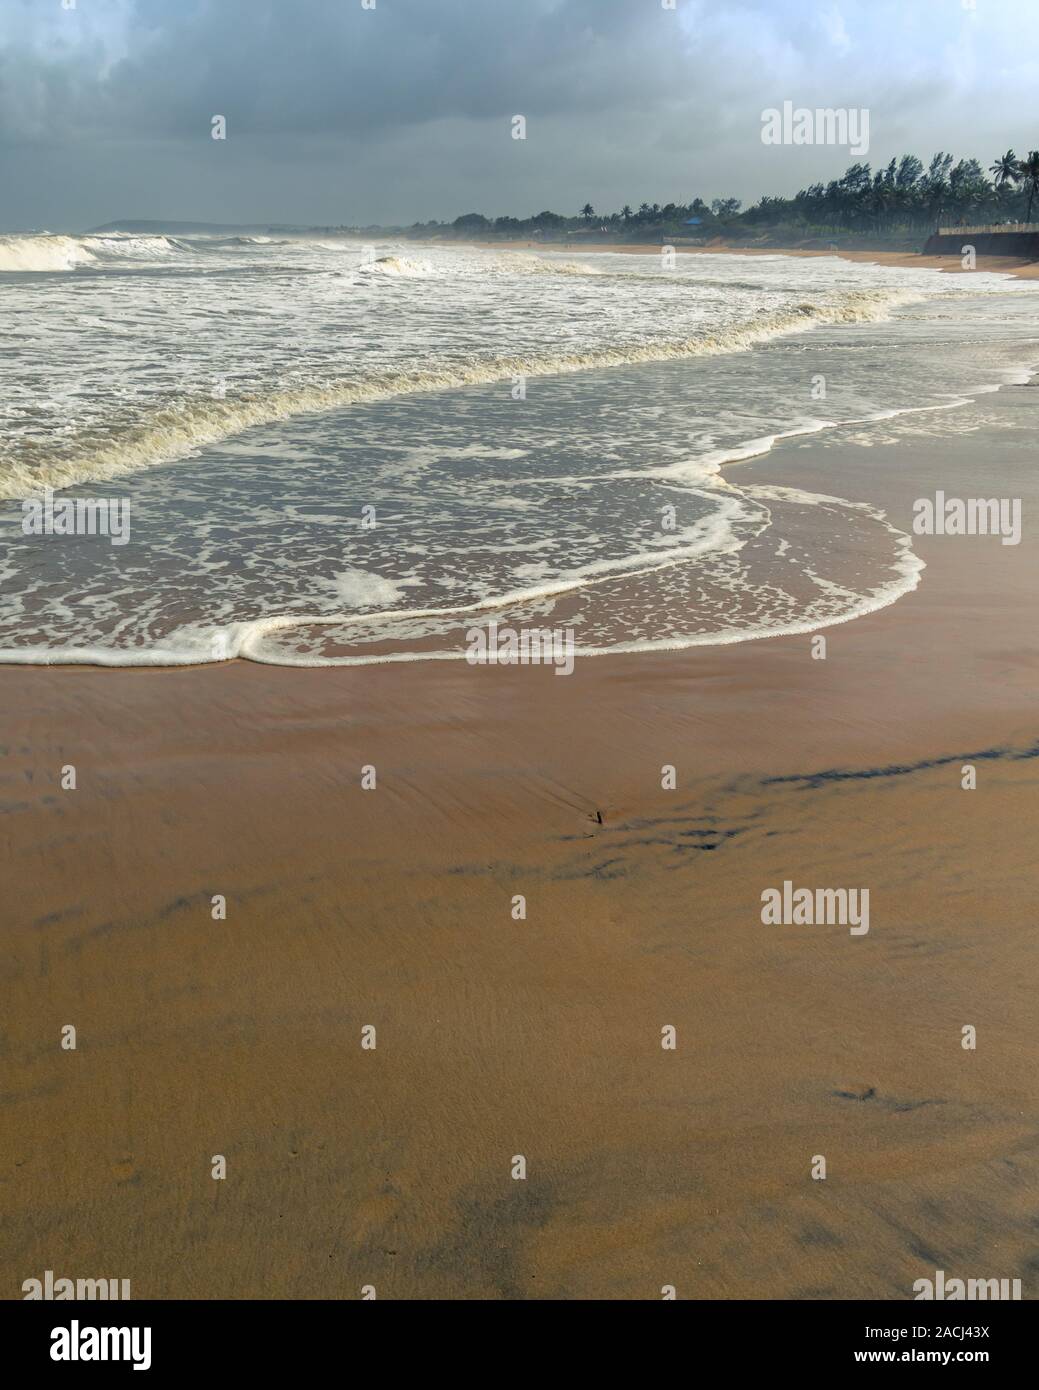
542 1037
1017 266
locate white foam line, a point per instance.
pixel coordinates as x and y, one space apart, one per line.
911 565
248 635
176 433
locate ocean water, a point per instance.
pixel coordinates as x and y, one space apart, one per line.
336 453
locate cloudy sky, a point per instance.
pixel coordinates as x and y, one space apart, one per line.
337 113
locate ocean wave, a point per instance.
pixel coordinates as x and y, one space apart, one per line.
212 243
190 423
257 639
51 252
399 265
121 247
324 244
43 253
534 265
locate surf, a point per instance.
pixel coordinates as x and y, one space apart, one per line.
181 428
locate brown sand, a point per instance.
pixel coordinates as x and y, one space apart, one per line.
542 1037
1017 266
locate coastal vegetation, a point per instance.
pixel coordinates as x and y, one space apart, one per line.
902 199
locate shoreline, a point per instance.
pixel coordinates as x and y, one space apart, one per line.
780 439
391 907
1016 266
795 438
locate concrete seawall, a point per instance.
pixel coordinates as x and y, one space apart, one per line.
952 242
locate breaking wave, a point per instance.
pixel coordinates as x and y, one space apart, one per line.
42 253
191 422
399 265
536 266
50 252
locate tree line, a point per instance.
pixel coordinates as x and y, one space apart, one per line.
904 196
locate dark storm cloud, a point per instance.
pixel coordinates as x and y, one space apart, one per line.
337 113
330 67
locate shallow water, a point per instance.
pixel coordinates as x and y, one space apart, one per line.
330 456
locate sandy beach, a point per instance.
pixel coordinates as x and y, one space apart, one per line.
496 1037
519 669
1017 266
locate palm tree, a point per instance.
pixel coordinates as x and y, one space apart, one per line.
626 212
1006 169
587 212
1029 169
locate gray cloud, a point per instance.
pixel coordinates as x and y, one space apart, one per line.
336 113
